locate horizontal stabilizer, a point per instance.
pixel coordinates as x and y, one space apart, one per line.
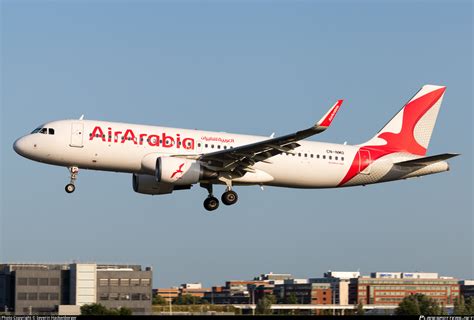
427 160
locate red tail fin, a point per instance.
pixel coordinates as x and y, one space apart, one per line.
410 130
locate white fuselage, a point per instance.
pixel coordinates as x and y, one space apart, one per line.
122 147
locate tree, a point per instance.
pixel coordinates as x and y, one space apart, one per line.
459 307
291 299
125 312
96 309
463 307
188 299
159 300
469 303
418 304
264 305
360 309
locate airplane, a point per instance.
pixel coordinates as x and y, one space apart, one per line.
162 159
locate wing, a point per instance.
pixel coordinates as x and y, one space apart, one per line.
240 159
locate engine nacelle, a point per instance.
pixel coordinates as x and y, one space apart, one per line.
146 184
179 172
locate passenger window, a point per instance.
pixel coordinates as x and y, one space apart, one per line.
218 146
225 147
51 131
324 157
317 156
312 156
305 155
336 158
212 146
342 158
330 157
299 154
205 145
199 144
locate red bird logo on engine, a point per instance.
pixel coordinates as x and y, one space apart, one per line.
178 171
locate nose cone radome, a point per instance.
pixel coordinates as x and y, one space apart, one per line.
20 146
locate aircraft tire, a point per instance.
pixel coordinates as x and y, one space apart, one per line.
70 188
211 203
229 197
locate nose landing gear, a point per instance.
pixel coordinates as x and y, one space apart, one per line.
70 187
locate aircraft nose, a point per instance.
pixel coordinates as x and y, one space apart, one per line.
20 146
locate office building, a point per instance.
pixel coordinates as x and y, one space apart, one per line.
193 289
389 288
48 288
467 288
169 294
303 292
124 286
339 282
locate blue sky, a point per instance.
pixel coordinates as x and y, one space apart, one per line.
243 67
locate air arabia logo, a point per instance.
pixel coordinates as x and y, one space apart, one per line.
333 113
180 170
153 140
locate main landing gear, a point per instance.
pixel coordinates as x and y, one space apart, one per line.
229 197
70 187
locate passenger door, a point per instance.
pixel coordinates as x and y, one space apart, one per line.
77 134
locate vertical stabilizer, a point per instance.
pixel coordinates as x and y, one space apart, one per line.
411 128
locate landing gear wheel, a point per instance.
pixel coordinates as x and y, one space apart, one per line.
211 203
70 188
229 197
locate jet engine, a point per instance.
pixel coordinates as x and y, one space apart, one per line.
179 172
147 184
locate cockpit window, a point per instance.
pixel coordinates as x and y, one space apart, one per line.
43 131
